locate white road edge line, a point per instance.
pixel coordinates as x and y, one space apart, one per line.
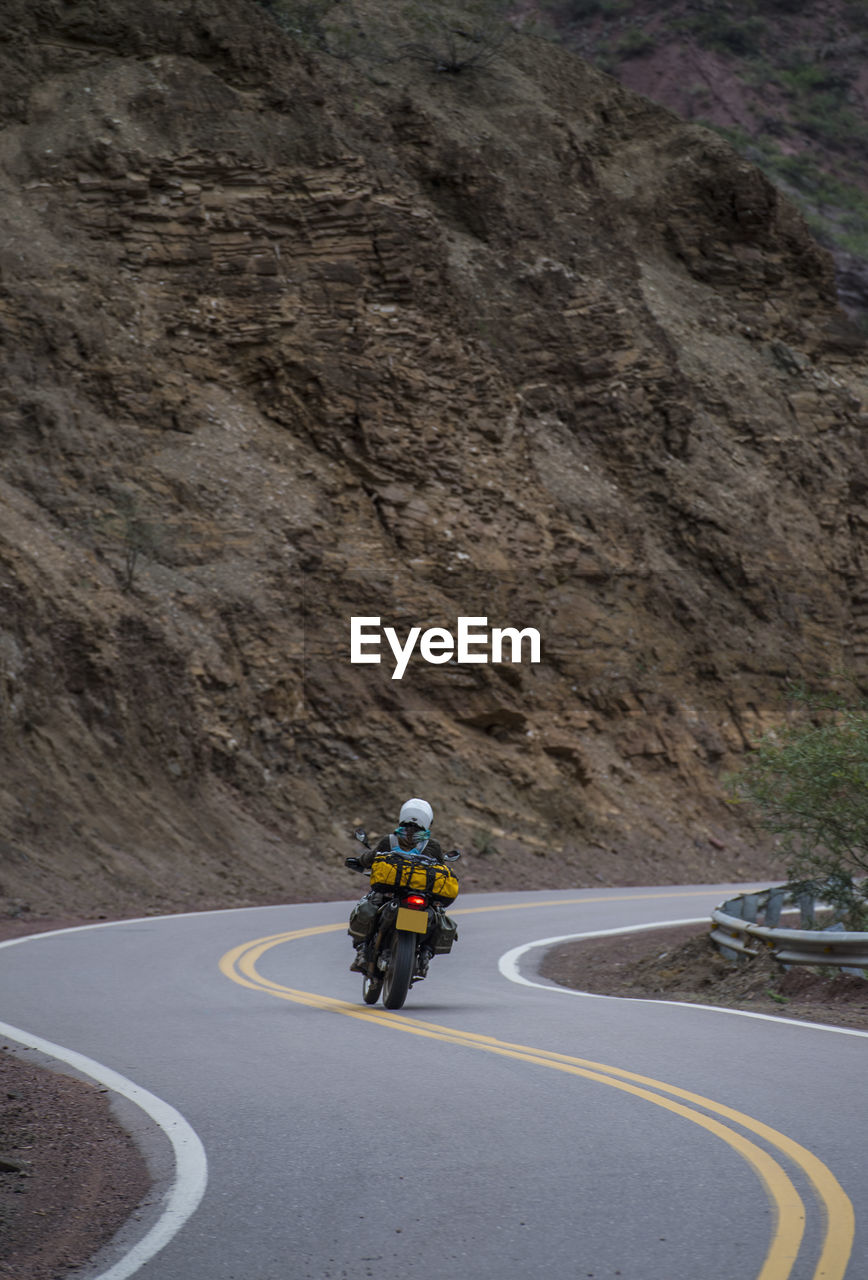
508 964
191 1163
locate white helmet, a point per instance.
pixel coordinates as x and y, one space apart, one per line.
418 811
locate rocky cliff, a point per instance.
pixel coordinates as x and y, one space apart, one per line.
290 339
785 80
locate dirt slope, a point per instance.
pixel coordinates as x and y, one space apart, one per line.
290 338
682 964
785 80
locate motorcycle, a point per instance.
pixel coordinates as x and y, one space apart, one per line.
393 951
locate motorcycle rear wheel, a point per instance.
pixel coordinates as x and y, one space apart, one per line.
371 988
400 970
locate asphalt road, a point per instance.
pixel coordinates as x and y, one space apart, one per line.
490 1129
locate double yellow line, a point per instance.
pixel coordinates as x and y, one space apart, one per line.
240 965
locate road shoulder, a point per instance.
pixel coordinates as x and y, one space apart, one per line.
70 1175
680 963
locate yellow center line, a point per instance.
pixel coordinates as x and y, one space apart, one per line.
239 964
569 902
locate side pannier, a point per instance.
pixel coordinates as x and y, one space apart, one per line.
362 919
444 934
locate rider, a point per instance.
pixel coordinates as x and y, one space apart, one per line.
411 835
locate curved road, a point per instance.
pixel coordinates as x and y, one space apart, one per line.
491 1129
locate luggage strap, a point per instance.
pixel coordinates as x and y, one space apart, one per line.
401 858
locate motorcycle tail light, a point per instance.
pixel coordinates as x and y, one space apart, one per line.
414 900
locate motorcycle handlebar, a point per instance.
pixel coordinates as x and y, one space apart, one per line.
355 863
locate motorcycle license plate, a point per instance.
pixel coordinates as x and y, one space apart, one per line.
414 921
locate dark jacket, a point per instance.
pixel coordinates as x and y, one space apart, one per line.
432 850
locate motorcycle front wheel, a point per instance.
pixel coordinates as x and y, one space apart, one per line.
400 970
371 988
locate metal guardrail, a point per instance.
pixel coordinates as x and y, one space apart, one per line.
737 932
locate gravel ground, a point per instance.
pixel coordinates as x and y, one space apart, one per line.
70 1176
682 964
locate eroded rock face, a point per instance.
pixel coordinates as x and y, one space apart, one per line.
286 344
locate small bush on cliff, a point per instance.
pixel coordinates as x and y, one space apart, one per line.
810 784
634 44
724 32
455 41
136 536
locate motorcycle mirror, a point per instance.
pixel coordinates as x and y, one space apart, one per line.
361 835
452 855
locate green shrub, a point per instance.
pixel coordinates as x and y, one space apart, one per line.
811 78
483 844
133 533
722 31
635 43
836 210
809 784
